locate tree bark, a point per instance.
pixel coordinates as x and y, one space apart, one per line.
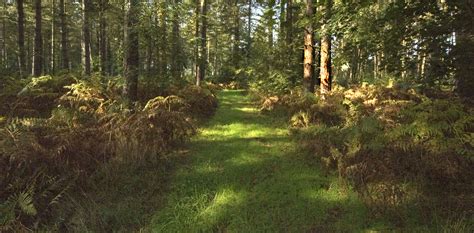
176 40
103 37
131 66
53 38
21 37
236 32
464 48
38 47
86 38
249 30
325 70
308 73
64 36
201 69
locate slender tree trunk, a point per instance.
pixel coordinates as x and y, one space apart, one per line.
249 30
163 41
308 73
176 40
21 37
325 70
4 58
132 63
86 38
103 37
201 71
64 36
271 5
236 32
464 48
53 38
38 49
196 36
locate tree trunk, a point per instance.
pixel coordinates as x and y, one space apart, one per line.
196 36
21 37
131 66
38 48
4 57
86 38
103 37
271 5
325 70
308 79
53 38
163 41
249 30
176 40
236 32
201 69
64 36
464 49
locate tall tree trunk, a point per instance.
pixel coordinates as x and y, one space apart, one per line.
176 65
132 64
103 37
163 41
325 70
464 49
4 57
21 37
196 36
249 30
86 38
64 36
236 32
201 71
308 73
53 38
271 6
38 49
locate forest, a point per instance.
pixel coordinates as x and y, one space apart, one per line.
236 116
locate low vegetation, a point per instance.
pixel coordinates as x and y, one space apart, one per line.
50 149
406 154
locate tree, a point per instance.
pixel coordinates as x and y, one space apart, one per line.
21 37
64 36
464 49
176 66
86 38
38 48
132 55
202 58
325 69
308 73
103 36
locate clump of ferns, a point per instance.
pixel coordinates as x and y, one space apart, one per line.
31 180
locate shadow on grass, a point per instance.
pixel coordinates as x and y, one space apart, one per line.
244 177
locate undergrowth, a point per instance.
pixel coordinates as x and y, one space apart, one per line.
56 134
407 155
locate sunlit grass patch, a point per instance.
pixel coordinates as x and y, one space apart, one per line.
244 176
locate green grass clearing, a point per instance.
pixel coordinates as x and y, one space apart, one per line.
247 175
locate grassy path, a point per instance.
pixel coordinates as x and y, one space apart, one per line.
245 176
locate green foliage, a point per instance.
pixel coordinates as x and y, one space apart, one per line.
43 159
397 147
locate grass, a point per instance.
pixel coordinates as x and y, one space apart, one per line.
247 175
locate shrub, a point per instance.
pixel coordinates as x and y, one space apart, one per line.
397 147
44 160
202 102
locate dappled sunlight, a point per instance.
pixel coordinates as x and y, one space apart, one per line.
243 178
222 204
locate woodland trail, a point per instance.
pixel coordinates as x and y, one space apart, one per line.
246 175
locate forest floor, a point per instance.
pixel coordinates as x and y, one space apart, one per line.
246 174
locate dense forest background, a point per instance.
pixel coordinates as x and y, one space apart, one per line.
87 87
